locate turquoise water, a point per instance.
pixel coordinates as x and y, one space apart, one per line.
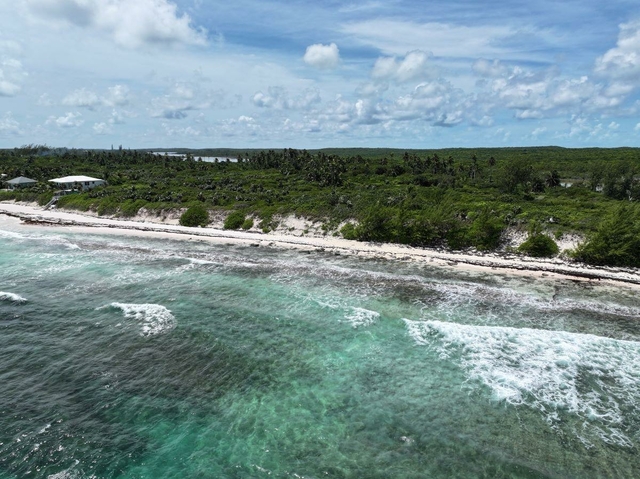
137 358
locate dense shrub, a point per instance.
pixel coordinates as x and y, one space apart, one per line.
234 221
130 208
247 224
195 216
45 197
486 230
348 231
539 245
617 240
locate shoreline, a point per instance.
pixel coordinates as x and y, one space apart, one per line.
506 263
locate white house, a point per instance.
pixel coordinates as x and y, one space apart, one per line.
20 182
78 182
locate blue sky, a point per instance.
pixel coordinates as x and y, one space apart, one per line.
249 73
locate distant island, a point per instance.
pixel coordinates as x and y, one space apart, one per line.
456 199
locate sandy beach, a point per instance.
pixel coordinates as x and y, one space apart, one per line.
292 238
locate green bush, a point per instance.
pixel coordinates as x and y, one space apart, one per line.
616 242
247 224
234 221
130 208
45 197
348 231
195 216
486 230
539 245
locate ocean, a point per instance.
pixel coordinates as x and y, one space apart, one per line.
128 357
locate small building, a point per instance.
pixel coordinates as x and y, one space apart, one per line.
77 182
20 182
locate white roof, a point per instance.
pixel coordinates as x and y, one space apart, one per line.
74 179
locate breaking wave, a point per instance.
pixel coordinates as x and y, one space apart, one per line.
596 379
155 318
12 297
362 317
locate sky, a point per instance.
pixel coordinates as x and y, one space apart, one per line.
327 73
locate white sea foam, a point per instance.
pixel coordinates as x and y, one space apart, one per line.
555 372
362 317
155 318
12 297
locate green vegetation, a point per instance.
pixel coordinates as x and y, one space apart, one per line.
197 215
539 245
451 198
234 221
247 224
616 241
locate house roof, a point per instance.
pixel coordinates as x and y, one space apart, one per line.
21 180
74 179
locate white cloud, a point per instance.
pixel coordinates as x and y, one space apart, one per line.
82 98
623 61
278 98
9 126
182 97
489 69
413 66
130 23
116 118
637 127
117 95
11 76
243 126
102 129
396 37
538 131
543 94
70 120
321 56
436 102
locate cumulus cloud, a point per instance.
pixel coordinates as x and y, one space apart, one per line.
82 98
131 23
413 66
117 95
9 126
278 98
11 76
324 57
542 94
538 131
70 120
102 129
182 97
244 126
489 69
623 61
436 102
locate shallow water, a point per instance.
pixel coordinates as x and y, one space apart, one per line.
136 358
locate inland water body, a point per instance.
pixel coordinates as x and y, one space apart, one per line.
125 357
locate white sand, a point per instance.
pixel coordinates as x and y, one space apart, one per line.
511 263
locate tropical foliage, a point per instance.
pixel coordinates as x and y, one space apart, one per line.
454 198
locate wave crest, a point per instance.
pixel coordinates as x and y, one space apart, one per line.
155 318
362 317
14 298
592 377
